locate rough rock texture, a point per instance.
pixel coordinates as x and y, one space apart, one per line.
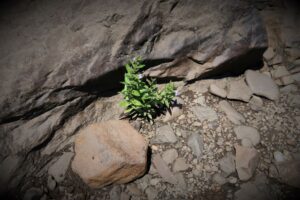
109 152
233 115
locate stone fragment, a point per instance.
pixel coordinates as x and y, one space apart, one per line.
262 85
195 142
287 80
247 132
124 196
109 152
238 90
280 72
219 179
169 156
220 92
256 101
227 164
181 183
175 112
180 165
163 169
204 113
233 115
279 157
60 167
246 161
289 88
164 134
151 193
296 77
115 193
246 142
269 54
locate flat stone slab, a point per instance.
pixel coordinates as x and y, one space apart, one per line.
233 115
262 85
248 132
238 90
204 113
164 134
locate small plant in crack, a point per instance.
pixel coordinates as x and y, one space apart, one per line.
141 96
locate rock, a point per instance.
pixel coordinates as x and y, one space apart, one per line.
115 193
151 193
287 80
220 92
262 85
8 167
169 156
109 152
204 113
227 164
60 167
33 193
163 169
164 134
134 190
180 165
288 172
51 183
279 157
195 142
247 132
246 142
219 179
256 101
296 77
238 90
289 89
124 196
246 160
175 112
181 183
269 54
234 116
280 72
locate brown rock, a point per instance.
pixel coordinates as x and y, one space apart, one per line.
246 161
109 152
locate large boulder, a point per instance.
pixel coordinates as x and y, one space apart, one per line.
109 152
70 48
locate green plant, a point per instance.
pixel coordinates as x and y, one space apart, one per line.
142 99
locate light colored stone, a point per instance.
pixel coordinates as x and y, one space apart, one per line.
169 155
246 161
164 134
233 115
220 92
163 169
296 77
195 142
247 132
219 179
109 152
204 113
262 85
151 193
287 80
289 88
246 142
256 101
280 72
238 90
227 164
269 54
175 112
180 165
60 167
279 157
181 185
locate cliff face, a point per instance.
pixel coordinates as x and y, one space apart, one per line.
57 57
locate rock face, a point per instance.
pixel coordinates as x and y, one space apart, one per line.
89 43
109 152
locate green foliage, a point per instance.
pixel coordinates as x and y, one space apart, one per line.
142 99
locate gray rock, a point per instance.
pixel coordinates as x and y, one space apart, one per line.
60 167
262 85
180 165
238 90
287 80
220 92
296 77
124 196
279 157
247 132
33 193
246 162
169 156
151 193
181 183
256 102
163 169
269 54
234 116
195 142
115 193
227 164
51 183
246 142
219 179
280 72
175 112
164 134
289 89
204 113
